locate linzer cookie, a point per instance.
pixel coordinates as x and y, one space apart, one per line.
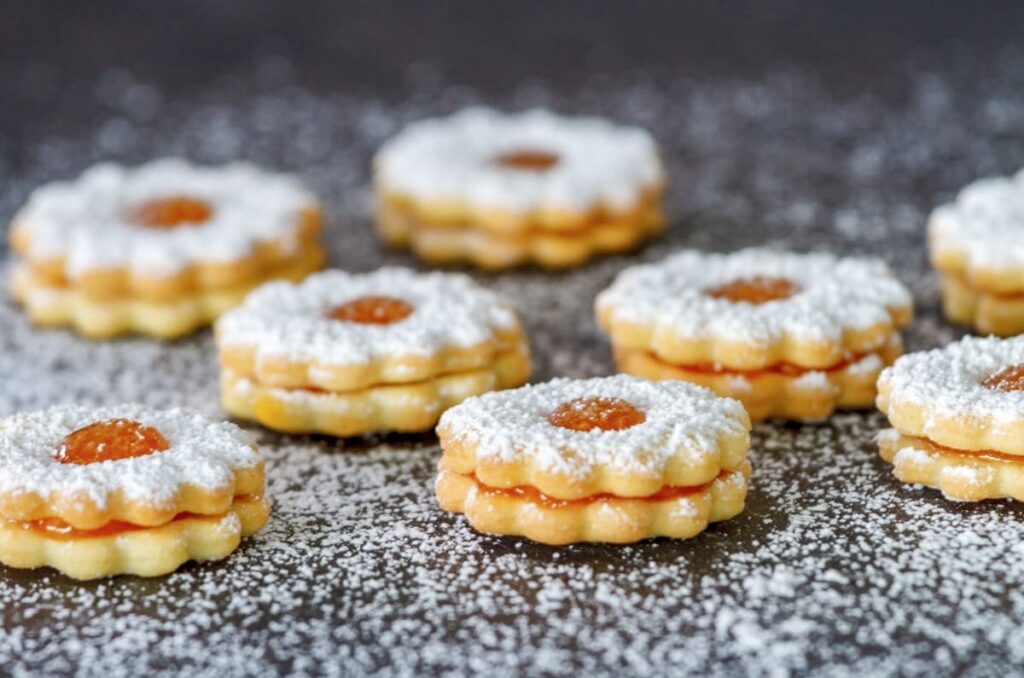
501 190
977 246
347 354
958 418
95 492
794 336
160 249
615 459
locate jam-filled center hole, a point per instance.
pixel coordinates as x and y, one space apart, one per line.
757 289
110 440
172 212
372 310
1007 379
605 414
527 160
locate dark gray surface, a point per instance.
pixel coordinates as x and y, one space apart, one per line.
794 126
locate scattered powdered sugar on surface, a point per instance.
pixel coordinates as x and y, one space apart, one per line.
834 294
85 220
291 320
947 380
984 222
833 568
683 422
200 452
598 163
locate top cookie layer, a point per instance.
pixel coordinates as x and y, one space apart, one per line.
91 223
507 438
942 395
564 164
288 334
202 456
836 309
980 235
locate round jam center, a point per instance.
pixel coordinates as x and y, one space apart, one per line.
527 160
171 212
110 440
758 289
1007 379
606 414
372 311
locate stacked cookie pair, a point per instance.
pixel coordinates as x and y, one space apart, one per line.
160 250
977 246
94 492
614 459
791 336
958 418
346 354
499 190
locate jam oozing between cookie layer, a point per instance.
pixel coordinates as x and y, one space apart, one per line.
372 310
533 495
109 441
1007 379
527 160
758 289
54 528
605 414
172 212
783 369
989 455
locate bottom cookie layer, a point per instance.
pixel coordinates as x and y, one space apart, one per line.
491 250
958 474
50 306
801 395
127 549
999 314
678 513
389 407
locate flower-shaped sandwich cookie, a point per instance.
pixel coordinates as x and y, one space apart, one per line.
789 335
501 190
347 354
958 418
95 492
161 249
977 246
615 459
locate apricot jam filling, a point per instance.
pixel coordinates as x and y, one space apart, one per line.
605 414
990 455
784 369
533 495
58 529
167 213
757 289
109 441
1008 379
372 310
527 160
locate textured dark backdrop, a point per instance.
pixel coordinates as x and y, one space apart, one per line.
804 125
48 47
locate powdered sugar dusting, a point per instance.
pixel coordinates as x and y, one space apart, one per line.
291 320
599 164
201 453
984 222
683 421
834 567
947 380
835 294
85 221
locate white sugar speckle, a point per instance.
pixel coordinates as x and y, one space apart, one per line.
833 569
